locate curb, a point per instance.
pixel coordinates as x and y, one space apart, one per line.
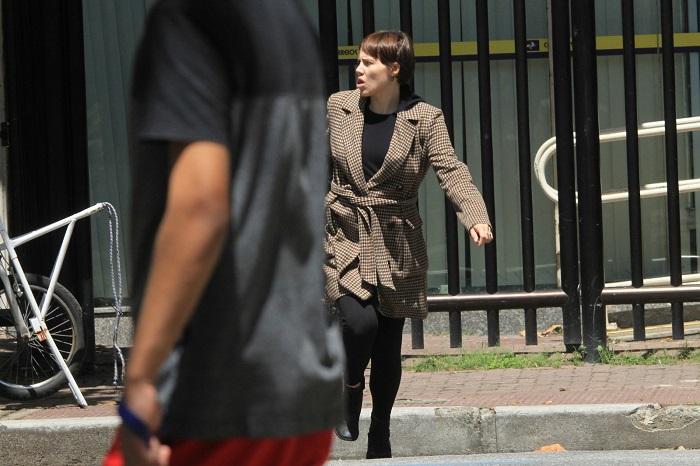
505 429
74 441
416 431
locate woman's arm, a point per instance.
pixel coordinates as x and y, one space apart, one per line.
456 181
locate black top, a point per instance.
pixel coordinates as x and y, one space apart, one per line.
258 358
376 137
377 132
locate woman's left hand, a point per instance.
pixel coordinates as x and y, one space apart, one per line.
481 234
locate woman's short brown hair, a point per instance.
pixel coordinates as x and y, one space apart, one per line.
390 47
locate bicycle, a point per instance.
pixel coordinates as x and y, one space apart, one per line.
42 341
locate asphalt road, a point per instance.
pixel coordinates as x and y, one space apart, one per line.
570 458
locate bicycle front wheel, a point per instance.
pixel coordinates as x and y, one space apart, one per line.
28 368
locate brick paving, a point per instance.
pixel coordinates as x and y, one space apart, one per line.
586 384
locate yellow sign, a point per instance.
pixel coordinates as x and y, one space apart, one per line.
507 47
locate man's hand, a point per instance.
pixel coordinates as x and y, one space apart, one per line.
481 234
141 398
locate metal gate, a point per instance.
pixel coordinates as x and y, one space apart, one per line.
571 47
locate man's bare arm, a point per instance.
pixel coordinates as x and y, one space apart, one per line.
187 247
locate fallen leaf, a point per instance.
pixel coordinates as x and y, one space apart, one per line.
555 329
555 447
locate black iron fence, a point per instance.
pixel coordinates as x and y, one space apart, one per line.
583 296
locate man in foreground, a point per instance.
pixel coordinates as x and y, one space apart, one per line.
234 358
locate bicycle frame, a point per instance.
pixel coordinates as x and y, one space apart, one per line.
39 310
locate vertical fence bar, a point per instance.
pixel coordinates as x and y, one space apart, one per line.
632 141
351 67
467 238
523 116
406 15
565 171
674 224
367 17
445 40
590 207
484 72
328 31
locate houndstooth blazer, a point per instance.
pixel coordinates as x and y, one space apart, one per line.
374 240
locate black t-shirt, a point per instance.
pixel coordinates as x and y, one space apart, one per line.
377 132
259 357
376 137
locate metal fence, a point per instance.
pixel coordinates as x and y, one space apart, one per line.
583 295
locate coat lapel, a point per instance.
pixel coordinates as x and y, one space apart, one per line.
353 125
399 147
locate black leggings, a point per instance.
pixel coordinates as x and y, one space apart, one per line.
369 335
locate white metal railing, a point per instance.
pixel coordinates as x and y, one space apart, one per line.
645 130
650 129
688 279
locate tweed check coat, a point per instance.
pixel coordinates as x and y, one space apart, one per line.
374 240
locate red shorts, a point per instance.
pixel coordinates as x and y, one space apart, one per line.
306 450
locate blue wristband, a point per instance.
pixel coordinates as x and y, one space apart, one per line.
132 422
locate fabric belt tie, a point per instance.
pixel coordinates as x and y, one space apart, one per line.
372 271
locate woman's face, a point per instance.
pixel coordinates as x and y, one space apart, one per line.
372 76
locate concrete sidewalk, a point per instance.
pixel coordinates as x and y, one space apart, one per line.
583 408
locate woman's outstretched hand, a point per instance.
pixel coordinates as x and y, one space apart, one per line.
481 234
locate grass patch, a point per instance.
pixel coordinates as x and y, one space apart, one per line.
509 360
649 358
493 360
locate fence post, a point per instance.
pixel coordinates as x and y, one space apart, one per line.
590 215
328 30
632 143
367 17
484 72
671 139
445 43
406 15
566 183
524 165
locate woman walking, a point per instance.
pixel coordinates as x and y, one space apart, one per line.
383 139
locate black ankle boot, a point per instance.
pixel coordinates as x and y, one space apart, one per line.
378 444
350 429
